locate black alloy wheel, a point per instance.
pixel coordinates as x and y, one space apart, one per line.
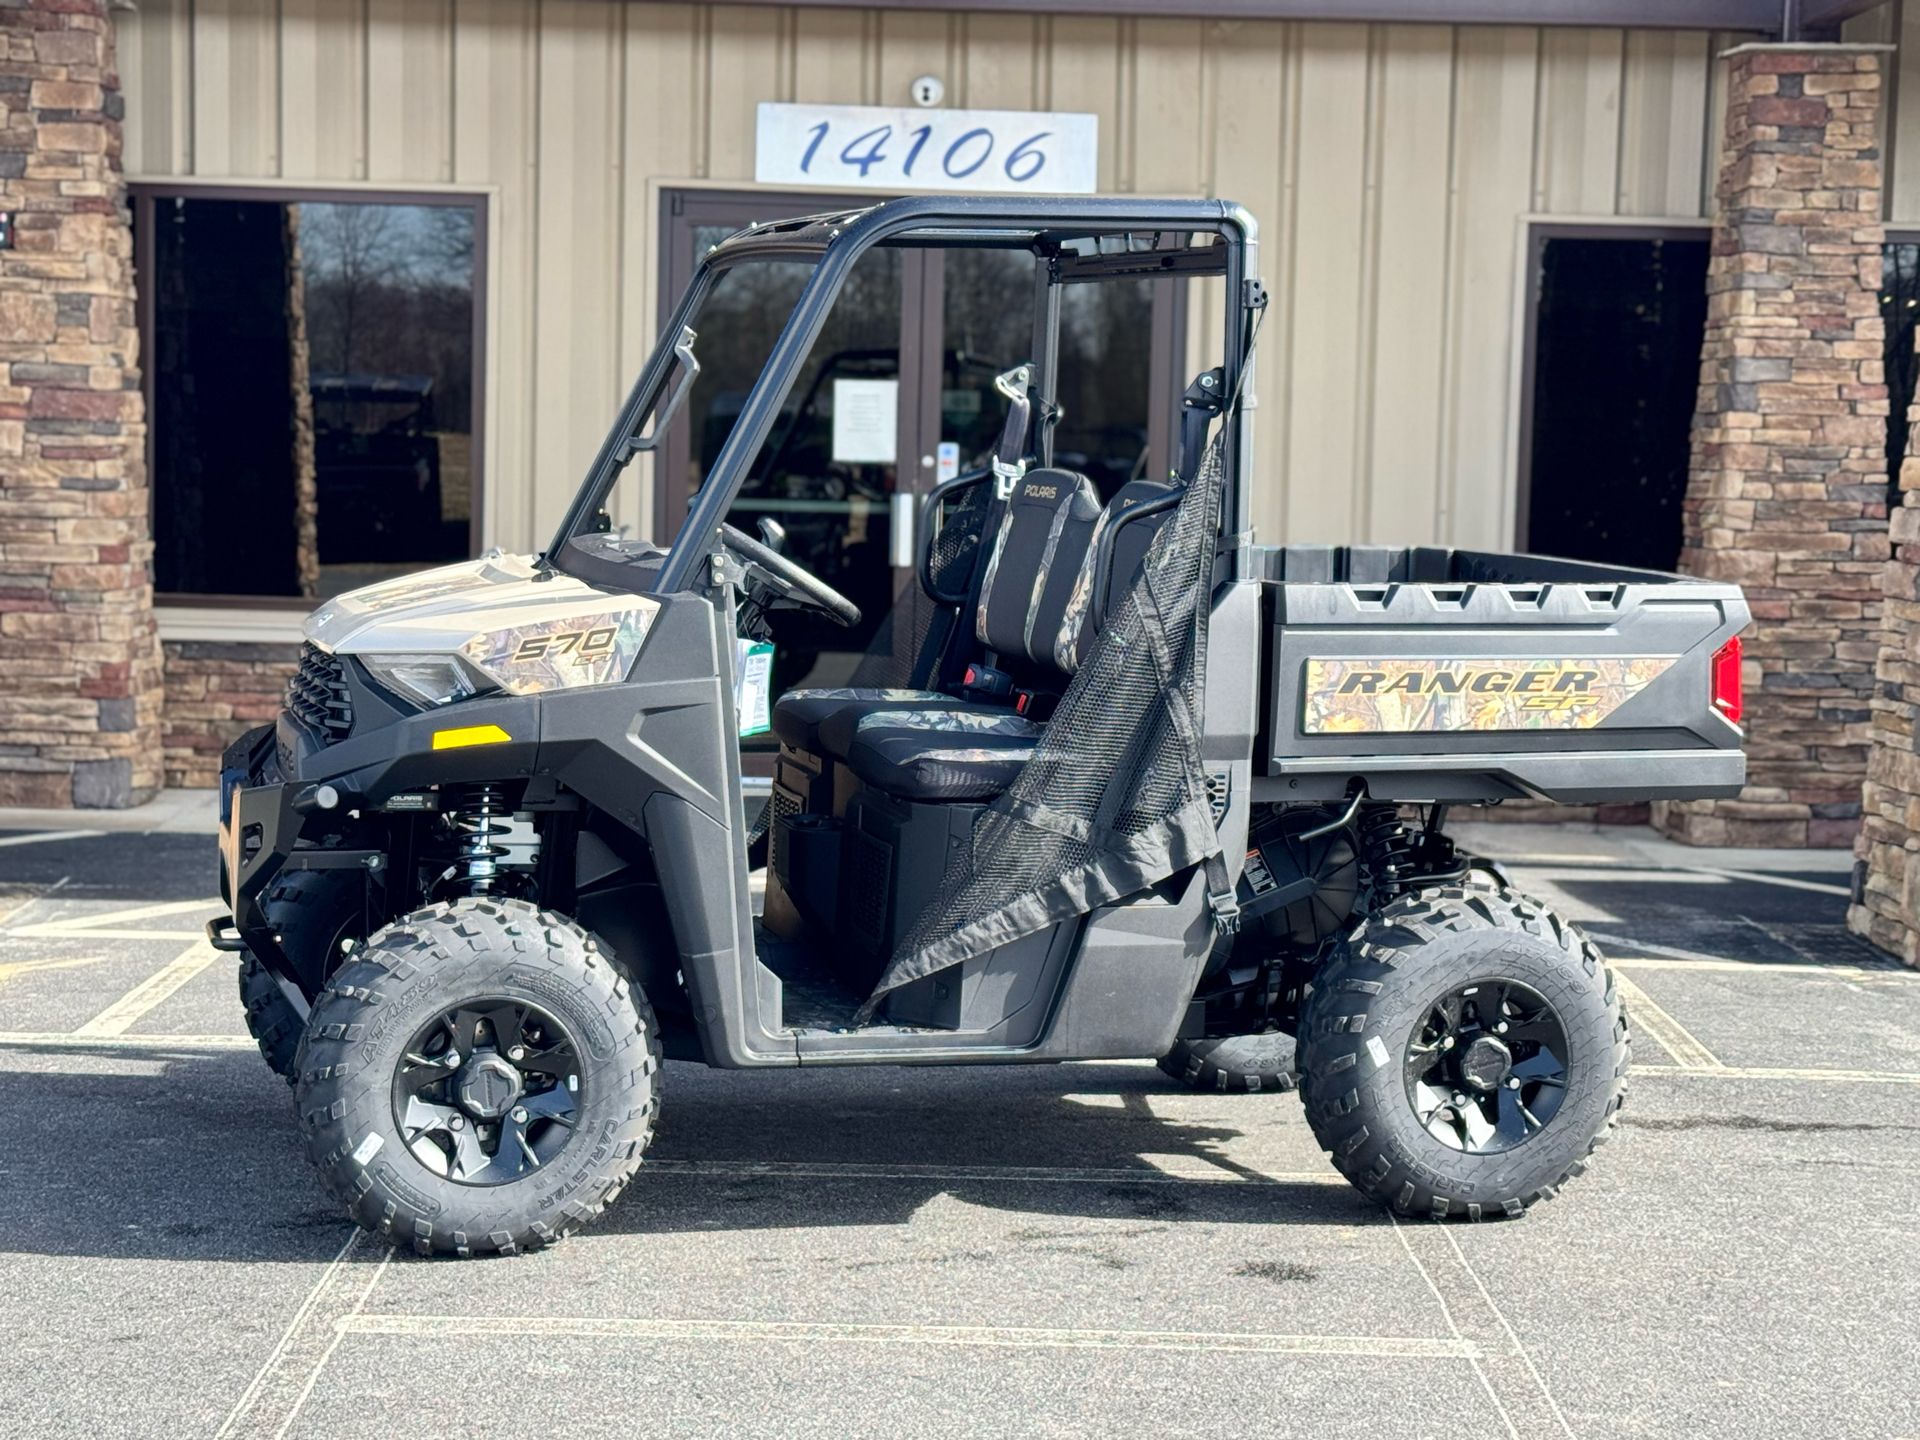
488 1091
1463 1053
1486 1069
450 1064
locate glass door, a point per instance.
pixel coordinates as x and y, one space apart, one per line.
896 396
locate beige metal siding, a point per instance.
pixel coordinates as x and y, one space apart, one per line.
1390 167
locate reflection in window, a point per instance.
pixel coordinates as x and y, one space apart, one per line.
987 319
1106 343
313 393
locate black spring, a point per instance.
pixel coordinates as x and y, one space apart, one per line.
1386 851
483 814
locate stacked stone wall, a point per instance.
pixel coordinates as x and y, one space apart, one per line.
80 699
216 692
1787 490
1886 870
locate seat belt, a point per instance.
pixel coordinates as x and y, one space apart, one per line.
1203 402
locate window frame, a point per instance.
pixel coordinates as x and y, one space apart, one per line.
1537 231
142 195
683 204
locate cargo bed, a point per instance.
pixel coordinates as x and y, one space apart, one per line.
1459 675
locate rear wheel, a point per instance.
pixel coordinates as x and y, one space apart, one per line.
478 1078
1463 1054
1234 1062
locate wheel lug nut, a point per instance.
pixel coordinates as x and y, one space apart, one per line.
456 1123
1446 1042
451 1059
1501 1028
1513 1082
518 1052
1459 1099
519 1114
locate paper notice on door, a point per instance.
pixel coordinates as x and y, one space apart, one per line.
866 417
752 685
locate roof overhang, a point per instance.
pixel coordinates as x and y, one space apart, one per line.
1794 19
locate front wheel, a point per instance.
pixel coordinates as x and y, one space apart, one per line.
1463 1054
478 1078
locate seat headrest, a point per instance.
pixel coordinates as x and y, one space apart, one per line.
1039 551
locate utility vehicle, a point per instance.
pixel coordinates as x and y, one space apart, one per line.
1134 786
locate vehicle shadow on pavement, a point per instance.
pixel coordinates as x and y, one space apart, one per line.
164 1158
872 1147
196 1157
129 867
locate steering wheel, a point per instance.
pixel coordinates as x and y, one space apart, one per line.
788 580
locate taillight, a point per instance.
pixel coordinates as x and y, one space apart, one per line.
1726 680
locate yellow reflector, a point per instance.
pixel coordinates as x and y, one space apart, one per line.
470 735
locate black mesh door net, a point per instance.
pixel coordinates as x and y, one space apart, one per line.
1115 797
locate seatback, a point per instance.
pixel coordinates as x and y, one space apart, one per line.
1121 539
1040 549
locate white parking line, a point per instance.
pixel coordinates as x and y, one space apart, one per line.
320 1287
1446 1312
286 1378
119 1017
111 924
1410 1347
1761 1072
26 967
1512 1335
61 1040
46 835
1199 1172
1673 1037
1764 967
188 1044
339 1333
1761 877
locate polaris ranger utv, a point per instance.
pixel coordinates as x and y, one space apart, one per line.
1133 786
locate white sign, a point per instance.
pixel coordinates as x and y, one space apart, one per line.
866 418
871 147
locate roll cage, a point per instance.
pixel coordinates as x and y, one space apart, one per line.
1082 240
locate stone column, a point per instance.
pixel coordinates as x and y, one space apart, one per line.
1787 492
1886 868
80 676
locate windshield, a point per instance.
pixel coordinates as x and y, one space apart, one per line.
735 318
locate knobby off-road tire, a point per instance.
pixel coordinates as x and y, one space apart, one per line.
1378 995
313 911
1246 1063
449 960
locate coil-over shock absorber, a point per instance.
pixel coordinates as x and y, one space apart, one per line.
1386 851
482 816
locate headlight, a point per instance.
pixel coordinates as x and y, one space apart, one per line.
428 680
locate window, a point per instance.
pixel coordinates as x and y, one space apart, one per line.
1617 325
312 387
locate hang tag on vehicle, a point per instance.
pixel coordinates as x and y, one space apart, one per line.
752 685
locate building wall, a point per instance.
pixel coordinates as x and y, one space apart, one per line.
1390 167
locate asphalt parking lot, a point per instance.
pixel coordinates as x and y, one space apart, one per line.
1057 1251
